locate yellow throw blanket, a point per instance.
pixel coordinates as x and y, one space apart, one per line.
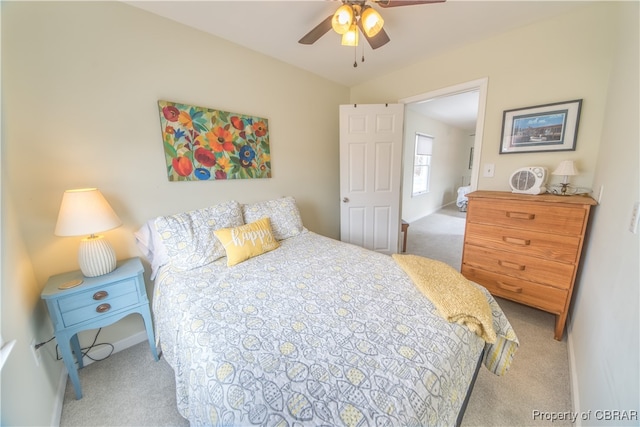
454 296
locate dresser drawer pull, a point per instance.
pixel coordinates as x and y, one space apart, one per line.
100 295
511 288
515 241
513 265
103 308
520 215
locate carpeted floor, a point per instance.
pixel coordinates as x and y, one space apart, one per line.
131 389
438 236
537 381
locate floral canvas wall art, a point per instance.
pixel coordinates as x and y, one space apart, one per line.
203 144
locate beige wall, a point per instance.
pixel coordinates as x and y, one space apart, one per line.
561 59
604 328
80 85
83 82
22 317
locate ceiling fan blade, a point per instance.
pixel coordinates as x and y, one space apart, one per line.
396 3
320 30
376 41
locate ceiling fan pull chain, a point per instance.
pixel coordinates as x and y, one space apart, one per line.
355 56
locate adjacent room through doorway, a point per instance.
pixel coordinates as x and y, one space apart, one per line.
442 148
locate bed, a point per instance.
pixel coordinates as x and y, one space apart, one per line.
462 200
309 331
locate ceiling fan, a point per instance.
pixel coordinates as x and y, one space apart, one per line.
356 15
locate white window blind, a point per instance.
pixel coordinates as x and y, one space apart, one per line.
422 164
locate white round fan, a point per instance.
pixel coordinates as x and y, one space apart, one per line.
529 180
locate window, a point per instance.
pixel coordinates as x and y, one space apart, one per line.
422 164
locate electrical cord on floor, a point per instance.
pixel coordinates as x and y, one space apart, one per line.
37 346
93 345
85 350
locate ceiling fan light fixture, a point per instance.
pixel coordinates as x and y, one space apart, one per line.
343 19
350 38
372 22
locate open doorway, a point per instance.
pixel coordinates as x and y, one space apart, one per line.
451 120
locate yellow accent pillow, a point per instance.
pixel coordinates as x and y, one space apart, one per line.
247 241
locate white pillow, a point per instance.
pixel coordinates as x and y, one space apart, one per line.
150 244
188 236
283 214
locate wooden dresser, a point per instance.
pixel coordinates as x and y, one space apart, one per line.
526 248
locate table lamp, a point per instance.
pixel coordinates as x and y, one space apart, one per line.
86 212
566 168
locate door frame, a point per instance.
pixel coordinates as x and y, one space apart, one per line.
481 86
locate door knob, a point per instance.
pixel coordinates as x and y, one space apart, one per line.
345 200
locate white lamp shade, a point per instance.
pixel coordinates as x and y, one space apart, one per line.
566 168
85 211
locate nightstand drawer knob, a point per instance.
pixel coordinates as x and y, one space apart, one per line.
103 308
100 295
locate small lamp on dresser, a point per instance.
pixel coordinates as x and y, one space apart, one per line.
566 168
86 212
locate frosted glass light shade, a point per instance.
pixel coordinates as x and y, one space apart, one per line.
372 22
342 19
350 38
96 256
86 212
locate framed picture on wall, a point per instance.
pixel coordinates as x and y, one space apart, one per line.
205 144
549 127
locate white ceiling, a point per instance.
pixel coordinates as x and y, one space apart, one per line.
273 28
416 32
459 110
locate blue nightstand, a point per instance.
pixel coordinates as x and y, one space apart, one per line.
97 302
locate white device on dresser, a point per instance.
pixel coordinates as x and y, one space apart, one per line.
529 180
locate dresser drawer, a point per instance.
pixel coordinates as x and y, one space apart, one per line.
556 247
104 293
520 266
97 302
546 298
544 217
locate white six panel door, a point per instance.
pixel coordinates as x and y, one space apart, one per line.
370 175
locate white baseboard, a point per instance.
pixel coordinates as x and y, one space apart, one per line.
573 376
429 213
57 405
97 353
102 351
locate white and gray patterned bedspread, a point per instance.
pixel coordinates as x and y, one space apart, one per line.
316 332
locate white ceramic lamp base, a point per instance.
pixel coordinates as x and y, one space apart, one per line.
96 256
